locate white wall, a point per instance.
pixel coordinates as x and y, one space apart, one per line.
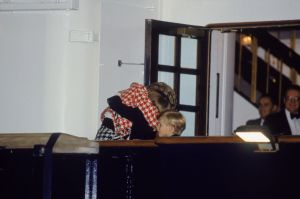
243 111
47 83
82 72
221 104
203 12
123 37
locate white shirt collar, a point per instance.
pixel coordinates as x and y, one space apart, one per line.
293 123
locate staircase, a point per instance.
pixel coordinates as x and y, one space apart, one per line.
264 65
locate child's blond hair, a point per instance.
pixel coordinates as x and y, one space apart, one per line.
175 119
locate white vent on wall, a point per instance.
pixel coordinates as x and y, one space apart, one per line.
15 5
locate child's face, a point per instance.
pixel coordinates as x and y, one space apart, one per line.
164 129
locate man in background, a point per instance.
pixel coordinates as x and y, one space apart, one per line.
266 106
287 121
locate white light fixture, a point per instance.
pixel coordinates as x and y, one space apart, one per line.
258 134
253 136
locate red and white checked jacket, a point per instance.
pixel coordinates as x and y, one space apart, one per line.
136 96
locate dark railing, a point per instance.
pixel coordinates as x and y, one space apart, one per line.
278 49
268 79
165 168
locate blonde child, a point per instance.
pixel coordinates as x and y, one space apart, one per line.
171 123
132 114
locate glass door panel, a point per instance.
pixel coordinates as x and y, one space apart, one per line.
166 52
166 77
190 125
188 89
188 53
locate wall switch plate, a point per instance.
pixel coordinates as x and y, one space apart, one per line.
81 36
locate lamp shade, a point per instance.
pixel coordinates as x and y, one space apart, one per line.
254 133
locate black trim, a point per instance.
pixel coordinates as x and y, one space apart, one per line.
173 69
217 95
188 108
48 161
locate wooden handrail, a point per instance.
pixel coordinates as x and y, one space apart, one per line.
71 143
277 48
127 143
187 140
198 140
257 24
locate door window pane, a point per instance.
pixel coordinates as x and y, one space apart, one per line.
188 89
166 50
166 77
190 123
188 53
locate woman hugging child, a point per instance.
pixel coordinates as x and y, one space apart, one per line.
134 112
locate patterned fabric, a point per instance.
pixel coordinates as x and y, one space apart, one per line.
121 124
106 133
135 96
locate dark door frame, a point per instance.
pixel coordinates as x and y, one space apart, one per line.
202 34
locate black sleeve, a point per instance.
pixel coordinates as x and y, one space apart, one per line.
140 127
115 103
268 123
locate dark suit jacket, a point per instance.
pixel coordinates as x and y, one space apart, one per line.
278 123
253 122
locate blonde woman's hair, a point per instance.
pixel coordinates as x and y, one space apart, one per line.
175 119
160 101
162 96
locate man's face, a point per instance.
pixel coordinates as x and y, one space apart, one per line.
291 101
265 107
